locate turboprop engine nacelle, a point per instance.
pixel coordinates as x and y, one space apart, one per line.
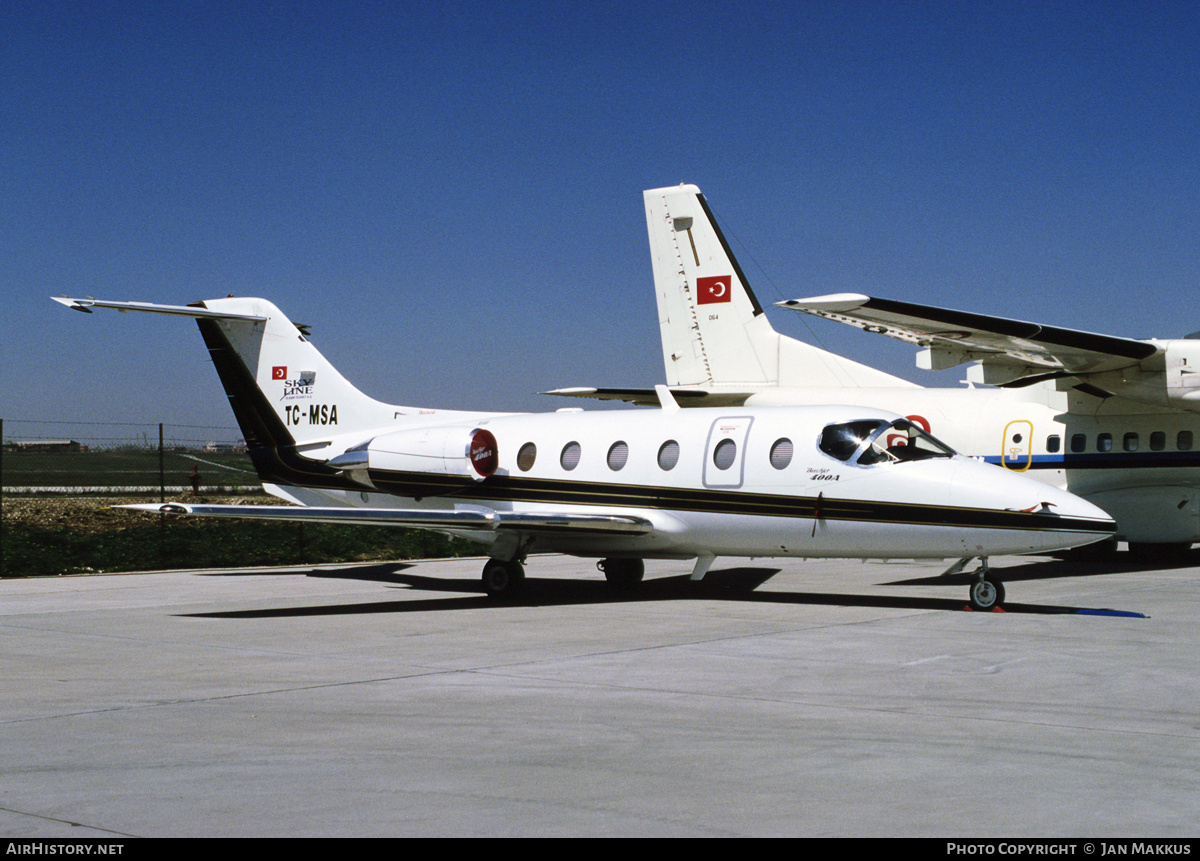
470 453
1183 374
1171 378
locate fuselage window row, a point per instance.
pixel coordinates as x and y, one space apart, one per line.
1129 442
780 455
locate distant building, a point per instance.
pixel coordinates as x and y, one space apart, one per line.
44 445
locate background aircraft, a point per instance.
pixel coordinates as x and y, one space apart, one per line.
619 485
1114 420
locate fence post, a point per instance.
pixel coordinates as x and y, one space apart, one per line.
162 497
162 475
1 497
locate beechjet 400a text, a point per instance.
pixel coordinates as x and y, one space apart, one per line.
620 486
1114 420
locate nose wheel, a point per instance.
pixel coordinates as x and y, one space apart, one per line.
986 591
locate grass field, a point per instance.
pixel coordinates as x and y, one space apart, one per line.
41 536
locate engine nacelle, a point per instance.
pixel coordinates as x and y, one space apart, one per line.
1183 373
1169 378
470 453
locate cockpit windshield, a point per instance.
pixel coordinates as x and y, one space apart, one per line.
877 441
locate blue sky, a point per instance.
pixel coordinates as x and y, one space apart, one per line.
450 193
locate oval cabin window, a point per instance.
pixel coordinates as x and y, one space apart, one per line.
781 453
724 454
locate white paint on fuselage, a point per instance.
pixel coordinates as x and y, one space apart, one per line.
950 482
1150 503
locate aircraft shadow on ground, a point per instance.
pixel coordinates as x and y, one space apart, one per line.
729 584
1073 566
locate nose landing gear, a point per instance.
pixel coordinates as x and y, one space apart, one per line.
986 592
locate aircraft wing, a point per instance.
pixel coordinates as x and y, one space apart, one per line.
714 397
1013 352
460 520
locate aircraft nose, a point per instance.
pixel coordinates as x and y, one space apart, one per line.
1043 518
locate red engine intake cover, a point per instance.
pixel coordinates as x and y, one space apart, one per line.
485 456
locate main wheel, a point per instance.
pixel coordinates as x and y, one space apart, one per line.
986 594
502 579
623 573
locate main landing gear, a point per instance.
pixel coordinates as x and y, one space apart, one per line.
986 591
622 573
503 579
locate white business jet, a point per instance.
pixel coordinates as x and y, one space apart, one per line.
622 486
1114 420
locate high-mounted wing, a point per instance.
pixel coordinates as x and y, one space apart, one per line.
458 520
1013 352
650 397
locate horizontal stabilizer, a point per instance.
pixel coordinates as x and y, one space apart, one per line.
86 306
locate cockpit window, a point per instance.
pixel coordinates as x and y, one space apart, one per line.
842 441
876 441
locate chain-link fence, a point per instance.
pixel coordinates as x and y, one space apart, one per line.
119 458
59 479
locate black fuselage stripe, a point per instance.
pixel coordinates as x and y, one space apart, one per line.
529 490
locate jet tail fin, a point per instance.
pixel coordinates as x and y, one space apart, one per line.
283 391
714 331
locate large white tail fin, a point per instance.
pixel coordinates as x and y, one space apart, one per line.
277 380
714 332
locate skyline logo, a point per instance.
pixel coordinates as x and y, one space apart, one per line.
299 388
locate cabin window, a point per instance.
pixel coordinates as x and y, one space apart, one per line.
1158 441
526 456
1104 442
618 455
781 453
570 456
1130 442
1078 442
1053 443
724 454
668 455
1183 442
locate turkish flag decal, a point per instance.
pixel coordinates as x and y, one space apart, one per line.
714 289
279 372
